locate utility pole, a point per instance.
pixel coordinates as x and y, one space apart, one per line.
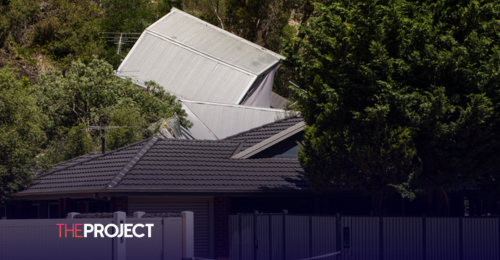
120 38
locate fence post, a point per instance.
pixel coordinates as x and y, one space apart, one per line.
240 242
271 238
424 236
119 243
499 237
284 233
381 238
310 237
461 238
255 240
338 235
187 234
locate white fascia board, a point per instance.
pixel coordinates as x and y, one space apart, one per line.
268 68
231 105
247 88
242 96
270 141
229 34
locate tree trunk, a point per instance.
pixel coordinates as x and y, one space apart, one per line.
438 202
429 202
444 203
377 199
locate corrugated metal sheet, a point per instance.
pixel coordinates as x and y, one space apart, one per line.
213 41
276 237
184 73
200 208
403 238
234 235
225 120
297 237
480 238
195 60
246 238
364 237
263 239
442 238
199 130
324 239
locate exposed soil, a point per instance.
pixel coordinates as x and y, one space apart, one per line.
19 65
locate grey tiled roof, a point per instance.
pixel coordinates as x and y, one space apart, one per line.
170 165
259 134
73 161
92 172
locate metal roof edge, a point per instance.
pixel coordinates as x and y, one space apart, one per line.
270 141
268 68
230 105
247 89
142 84
175 10
137 157
130 52
260 74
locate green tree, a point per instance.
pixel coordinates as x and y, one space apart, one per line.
89 95
428 69
62 30
21 134
131 16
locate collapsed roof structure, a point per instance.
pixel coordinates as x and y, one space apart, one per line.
195 60
215 121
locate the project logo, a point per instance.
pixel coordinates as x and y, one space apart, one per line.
110 230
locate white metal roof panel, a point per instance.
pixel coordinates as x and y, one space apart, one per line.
225 120
198 131
213 41
184 73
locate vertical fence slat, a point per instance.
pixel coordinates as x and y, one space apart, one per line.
284 236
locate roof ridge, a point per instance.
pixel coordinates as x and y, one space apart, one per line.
137 157
187 101
262 126
89 159
271 141
200 140
247 42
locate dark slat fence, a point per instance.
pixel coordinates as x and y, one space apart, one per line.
288 236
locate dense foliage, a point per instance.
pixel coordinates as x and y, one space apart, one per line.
21 133
400 94
89 95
